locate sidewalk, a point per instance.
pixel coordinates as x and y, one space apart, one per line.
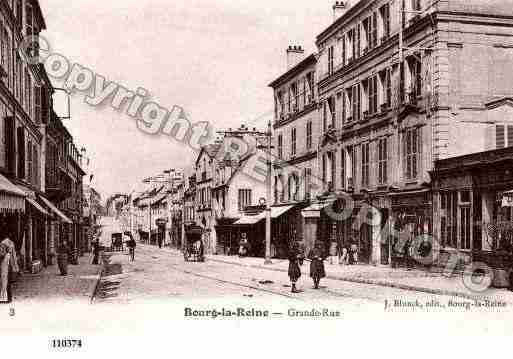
49 285
416 280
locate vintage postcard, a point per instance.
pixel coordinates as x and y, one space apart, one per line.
227 174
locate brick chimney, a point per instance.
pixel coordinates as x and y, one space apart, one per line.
339 9
294 56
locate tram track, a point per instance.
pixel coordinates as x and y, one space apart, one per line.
270 291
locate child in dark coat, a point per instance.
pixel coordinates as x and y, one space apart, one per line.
317 257
295 261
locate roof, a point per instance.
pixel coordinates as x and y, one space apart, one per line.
211 150
294 71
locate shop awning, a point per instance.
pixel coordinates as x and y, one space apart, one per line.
55 210
276 211
314 210
250 219
11 197
37 206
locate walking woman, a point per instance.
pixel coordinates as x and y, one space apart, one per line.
316 256
8 269
295 261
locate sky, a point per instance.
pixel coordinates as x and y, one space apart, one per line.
214 59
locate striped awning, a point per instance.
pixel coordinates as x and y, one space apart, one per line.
55 210
11 197
37 206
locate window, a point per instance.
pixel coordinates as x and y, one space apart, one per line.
281 104
309 135
412 146
333 164
351 151
386 82
343 49
382 160
295 96
503 136
293 141
370 27
324 117
29 20
342 169
416 77
323 168
21 152
10 144
355 102
37 105
365 164
280 146
333 110
385 18
244 198
308 183
29 161
372 95
35 160
465 226
311 88
19 12
330 60
351 40
416 5
448 205
342 103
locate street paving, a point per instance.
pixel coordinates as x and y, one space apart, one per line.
162 273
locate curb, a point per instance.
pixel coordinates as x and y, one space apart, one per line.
98 279
365 281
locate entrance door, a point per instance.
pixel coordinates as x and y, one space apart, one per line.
385 242
310 233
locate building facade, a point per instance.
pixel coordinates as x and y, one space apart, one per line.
296 140
395 97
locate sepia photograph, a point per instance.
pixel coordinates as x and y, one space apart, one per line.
227 174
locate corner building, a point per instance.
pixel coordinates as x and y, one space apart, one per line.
401 85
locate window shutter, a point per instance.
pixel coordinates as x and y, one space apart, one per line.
499 136
343 50
510 136
358 40
404 154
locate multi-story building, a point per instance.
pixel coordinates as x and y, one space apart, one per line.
205 168
401 85
295 140
236 187
24 104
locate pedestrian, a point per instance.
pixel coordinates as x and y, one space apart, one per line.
243 245
353 253
8 269
316 256
407 253
96 251
344 257
159 240
333 252
296 258
131 249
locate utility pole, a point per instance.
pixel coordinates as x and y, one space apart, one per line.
268 201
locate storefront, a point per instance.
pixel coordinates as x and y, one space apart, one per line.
12 216
473 207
